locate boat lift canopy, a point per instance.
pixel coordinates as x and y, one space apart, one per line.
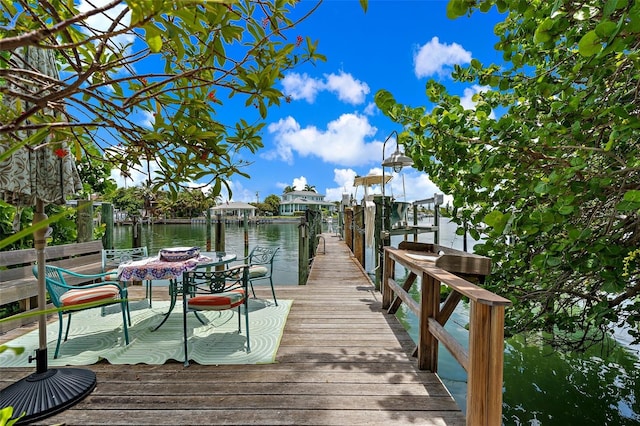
370 180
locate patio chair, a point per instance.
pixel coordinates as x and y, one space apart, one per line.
71 298
216 291
260 262
112 258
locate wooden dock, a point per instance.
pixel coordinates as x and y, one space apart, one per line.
342 361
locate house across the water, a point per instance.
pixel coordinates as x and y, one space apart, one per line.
296 202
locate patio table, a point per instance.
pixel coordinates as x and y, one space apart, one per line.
153 268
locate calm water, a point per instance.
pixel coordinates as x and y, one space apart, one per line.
283 235
542 386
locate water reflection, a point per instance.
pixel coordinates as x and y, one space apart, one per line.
599 387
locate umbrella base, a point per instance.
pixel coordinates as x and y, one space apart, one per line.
41 395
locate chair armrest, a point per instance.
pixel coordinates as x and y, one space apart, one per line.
79 275
94 285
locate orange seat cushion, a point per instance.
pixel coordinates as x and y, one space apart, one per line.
113 275
95 294
218 301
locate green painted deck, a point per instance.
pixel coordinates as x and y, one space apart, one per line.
342 361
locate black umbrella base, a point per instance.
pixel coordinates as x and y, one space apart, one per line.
44 394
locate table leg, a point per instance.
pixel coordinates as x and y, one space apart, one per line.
173 294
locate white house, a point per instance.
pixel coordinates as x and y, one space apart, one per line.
300 201
234 208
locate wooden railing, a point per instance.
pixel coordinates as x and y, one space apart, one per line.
18 284
483 361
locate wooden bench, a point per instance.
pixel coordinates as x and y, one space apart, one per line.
18 284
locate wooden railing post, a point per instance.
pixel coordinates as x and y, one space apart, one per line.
388 271
106 216
486 355
429 307
84 221
348 227
496 363
358 234
303 252
219 242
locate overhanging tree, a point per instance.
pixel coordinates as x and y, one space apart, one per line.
152 83
549 160
273 203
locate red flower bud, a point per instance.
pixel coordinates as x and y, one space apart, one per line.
61 152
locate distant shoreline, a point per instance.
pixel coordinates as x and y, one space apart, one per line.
201 220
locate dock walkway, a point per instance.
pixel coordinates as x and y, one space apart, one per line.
341 361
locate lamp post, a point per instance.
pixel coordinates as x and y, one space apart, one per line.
396 161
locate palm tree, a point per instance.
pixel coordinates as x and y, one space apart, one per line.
310 188
288 189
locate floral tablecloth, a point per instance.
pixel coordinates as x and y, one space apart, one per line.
155 269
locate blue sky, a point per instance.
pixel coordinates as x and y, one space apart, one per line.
331 130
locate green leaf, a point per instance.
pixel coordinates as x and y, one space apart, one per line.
456 9
543 33
497 220
589 44
541 188
612 139
611 5
485 6
566 210
632 196
629 202
605 29
538 261
153 37
553 261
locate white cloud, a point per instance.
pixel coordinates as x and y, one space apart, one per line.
371 109
134 177
103 21
342 142
411 185
299 183
435 58
282 185
239 193
148 119
344 180
301 86
346 88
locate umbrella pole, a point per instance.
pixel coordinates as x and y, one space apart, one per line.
47 391
40 243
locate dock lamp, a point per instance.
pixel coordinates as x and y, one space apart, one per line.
396 161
